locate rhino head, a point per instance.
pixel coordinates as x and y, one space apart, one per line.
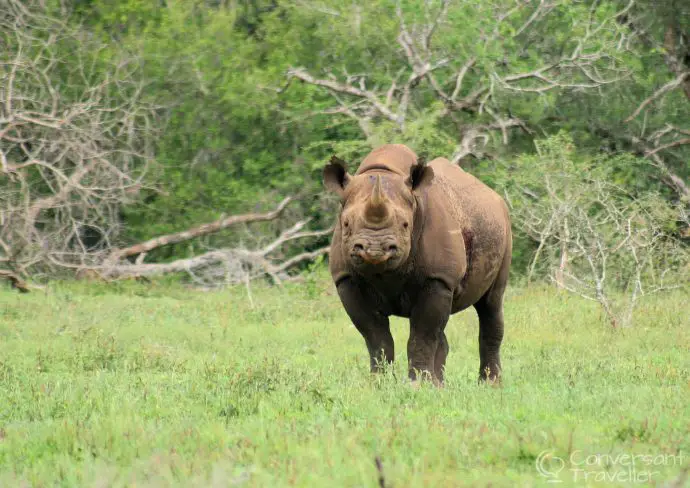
377 217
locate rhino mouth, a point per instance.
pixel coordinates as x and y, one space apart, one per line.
364 258
377 259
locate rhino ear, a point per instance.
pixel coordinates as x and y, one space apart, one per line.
335 176
421 175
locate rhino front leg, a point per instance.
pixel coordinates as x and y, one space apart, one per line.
427 347
373 325
441 355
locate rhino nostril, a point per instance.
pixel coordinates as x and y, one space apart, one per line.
392 248
358 248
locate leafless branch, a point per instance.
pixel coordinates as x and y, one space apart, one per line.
646 147
676 143
538 12
300 258
198 231
671 85
673 44
346 89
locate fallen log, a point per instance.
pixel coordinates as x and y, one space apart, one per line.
16 282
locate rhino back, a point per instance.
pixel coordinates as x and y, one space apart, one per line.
467 232
397 158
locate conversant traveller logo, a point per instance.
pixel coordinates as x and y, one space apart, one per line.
625 468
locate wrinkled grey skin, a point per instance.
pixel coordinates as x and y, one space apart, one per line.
422 242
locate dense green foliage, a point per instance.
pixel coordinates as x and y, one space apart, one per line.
235 139
251 97
122 385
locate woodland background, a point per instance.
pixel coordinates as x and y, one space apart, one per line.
127 126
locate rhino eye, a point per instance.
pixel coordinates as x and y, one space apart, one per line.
346 224
406 225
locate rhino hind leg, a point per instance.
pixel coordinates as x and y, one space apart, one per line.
490 312
374 326
490 338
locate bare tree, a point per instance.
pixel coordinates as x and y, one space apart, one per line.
618 253
75 141
595 239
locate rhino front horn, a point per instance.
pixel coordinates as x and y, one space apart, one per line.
376 210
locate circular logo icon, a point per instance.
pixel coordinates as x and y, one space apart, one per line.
549 466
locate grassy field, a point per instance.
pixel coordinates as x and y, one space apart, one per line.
134 385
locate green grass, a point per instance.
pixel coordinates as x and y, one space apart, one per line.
133 385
